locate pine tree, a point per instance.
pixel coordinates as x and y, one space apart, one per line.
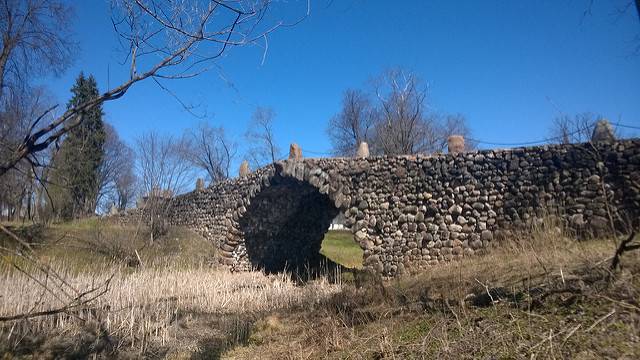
76 165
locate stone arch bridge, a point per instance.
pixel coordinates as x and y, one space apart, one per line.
409 212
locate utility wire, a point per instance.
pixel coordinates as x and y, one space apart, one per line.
479 141
628 126
546 140
316 152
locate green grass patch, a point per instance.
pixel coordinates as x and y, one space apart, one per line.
414 331
94 244
340 247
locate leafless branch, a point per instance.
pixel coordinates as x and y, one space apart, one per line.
261 135
189 36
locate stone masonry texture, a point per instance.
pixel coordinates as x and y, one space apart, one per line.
410 212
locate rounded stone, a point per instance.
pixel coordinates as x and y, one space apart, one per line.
455 210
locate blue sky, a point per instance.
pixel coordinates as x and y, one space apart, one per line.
510 67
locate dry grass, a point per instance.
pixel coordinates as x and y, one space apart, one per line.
540 295
144 310
174 304
536 295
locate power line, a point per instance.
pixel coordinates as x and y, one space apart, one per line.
628 126
513 144
545 140
479 141
316 152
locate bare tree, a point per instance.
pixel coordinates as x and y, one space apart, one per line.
210 150
161 165
162 40
353 124
260 134
579 128
35 40
115 169
14 188
19 185
163 173
399 122
126 189
402 125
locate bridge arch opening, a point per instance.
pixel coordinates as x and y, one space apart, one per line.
285 224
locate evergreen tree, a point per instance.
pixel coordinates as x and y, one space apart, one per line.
76 166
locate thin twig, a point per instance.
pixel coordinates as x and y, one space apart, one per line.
64 309
571 333
487 290
600 320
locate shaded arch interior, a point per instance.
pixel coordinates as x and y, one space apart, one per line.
284 226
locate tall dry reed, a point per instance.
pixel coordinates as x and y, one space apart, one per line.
142 306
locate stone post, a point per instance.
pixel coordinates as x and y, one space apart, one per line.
244 169
455 144
295 152
363 150
199 184
603 132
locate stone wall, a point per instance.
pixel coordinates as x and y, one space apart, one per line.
413 211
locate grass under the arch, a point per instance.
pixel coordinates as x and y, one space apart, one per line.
340 246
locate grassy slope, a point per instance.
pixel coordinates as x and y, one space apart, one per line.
340 247
93 244
88 243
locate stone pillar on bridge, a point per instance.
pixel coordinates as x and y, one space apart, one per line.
295 152
199 184
603 132
244 169
455 144
363 150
